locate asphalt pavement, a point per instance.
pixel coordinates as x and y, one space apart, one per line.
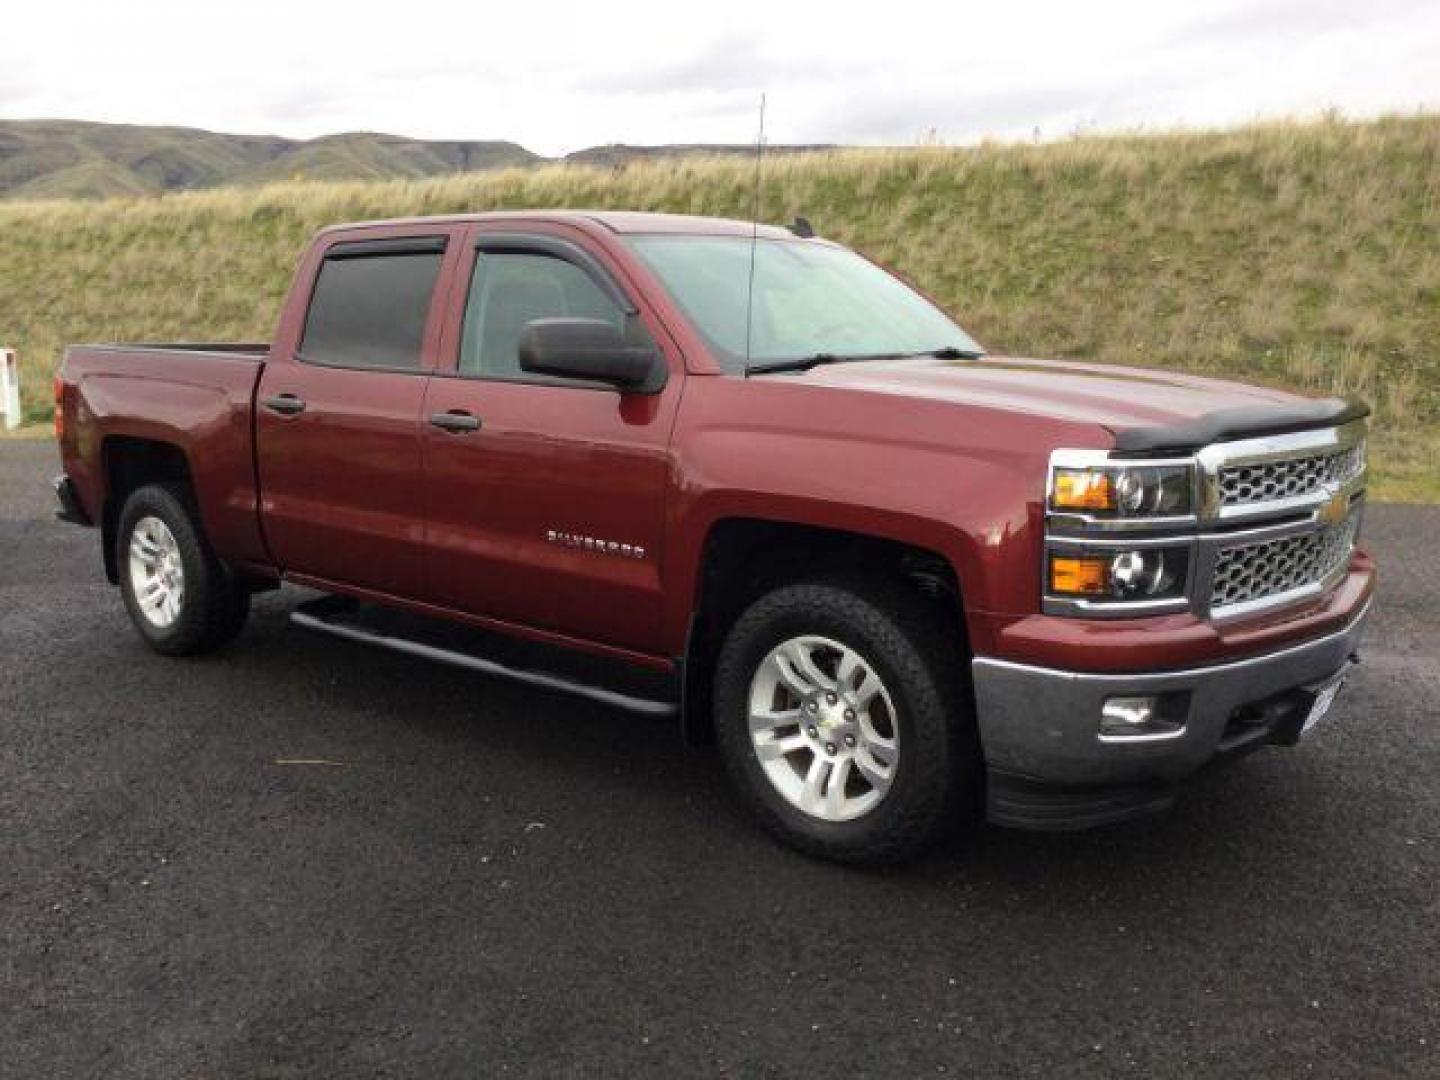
306 858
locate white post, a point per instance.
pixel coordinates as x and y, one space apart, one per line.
9 388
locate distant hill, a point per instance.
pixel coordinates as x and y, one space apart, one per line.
76 159
66 159
623 154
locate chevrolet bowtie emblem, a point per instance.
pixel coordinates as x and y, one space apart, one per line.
1335 509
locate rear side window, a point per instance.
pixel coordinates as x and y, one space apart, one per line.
369 310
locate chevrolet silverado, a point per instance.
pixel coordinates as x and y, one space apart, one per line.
744 477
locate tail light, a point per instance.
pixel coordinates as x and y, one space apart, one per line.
60 408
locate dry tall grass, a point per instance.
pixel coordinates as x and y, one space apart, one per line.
1301 254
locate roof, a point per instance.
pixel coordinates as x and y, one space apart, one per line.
632 221
618 221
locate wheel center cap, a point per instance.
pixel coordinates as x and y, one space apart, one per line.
831 720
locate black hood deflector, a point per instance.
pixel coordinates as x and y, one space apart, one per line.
1251 421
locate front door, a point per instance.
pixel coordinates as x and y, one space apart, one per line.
548 512
338 418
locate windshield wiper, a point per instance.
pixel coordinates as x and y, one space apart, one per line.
805 363
949 352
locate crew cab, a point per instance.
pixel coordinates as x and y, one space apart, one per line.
744 477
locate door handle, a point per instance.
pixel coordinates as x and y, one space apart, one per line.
284 404
456 421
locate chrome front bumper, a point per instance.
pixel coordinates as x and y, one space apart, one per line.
1041 727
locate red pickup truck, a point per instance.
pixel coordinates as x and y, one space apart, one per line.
745 477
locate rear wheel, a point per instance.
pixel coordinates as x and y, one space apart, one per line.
843 720
180 597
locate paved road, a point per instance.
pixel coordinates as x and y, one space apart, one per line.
493 881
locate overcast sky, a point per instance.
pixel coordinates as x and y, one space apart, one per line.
560 76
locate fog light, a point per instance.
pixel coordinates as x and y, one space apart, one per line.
1124 718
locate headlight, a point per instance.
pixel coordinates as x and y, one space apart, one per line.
1123 491
1120 574
1119 534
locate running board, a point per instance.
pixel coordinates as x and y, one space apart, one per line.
368 625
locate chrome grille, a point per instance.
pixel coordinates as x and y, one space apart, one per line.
1270 568
1287 478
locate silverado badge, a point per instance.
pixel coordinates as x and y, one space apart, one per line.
590 543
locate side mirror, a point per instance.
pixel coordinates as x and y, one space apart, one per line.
592 350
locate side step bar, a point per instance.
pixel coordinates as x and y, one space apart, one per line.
329 614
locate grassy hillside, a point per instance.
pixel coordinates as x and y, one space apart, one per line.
1305 255
61 159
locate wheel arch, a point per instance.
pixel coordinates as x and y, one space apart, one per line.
128 463
742 557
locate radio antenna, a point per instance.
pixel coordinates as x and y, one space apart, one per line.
754 235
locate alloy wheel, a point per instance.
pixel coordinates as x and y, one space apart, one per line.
157 572
823 727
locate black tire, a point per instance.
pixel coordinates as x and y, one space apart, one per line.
938 778
215 601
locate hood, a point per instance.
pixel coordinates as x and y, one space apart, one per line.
1145 409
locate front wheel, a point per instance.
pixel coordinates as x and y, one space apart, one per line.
180 597
842 717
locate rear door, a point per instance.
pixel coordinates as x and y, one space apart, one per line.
338 413
548 511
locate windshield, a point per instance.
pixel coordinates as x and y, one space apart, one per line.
810 299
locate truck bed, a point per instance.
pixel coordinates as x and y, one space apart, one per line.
198 397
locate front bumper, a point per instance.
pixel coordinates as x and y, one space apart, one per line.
1049 768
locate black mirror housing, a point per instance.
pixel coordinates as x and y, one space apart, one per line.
592 350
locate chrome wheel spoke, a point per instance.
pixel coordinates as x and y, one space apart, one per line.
856 676
813 794
798 670
851 672
770 719
867 690
835 787
882 749
773 748
876 774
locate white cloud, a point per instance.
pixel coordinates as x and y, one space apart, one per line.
557 77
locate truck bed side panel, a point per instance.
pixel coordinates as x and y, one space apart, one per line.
201 403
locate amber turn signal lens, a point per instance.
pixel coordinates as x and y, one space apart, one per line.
1083 489
1079 576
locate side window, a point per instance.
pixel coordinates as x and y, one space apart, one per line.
368 311
508 290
